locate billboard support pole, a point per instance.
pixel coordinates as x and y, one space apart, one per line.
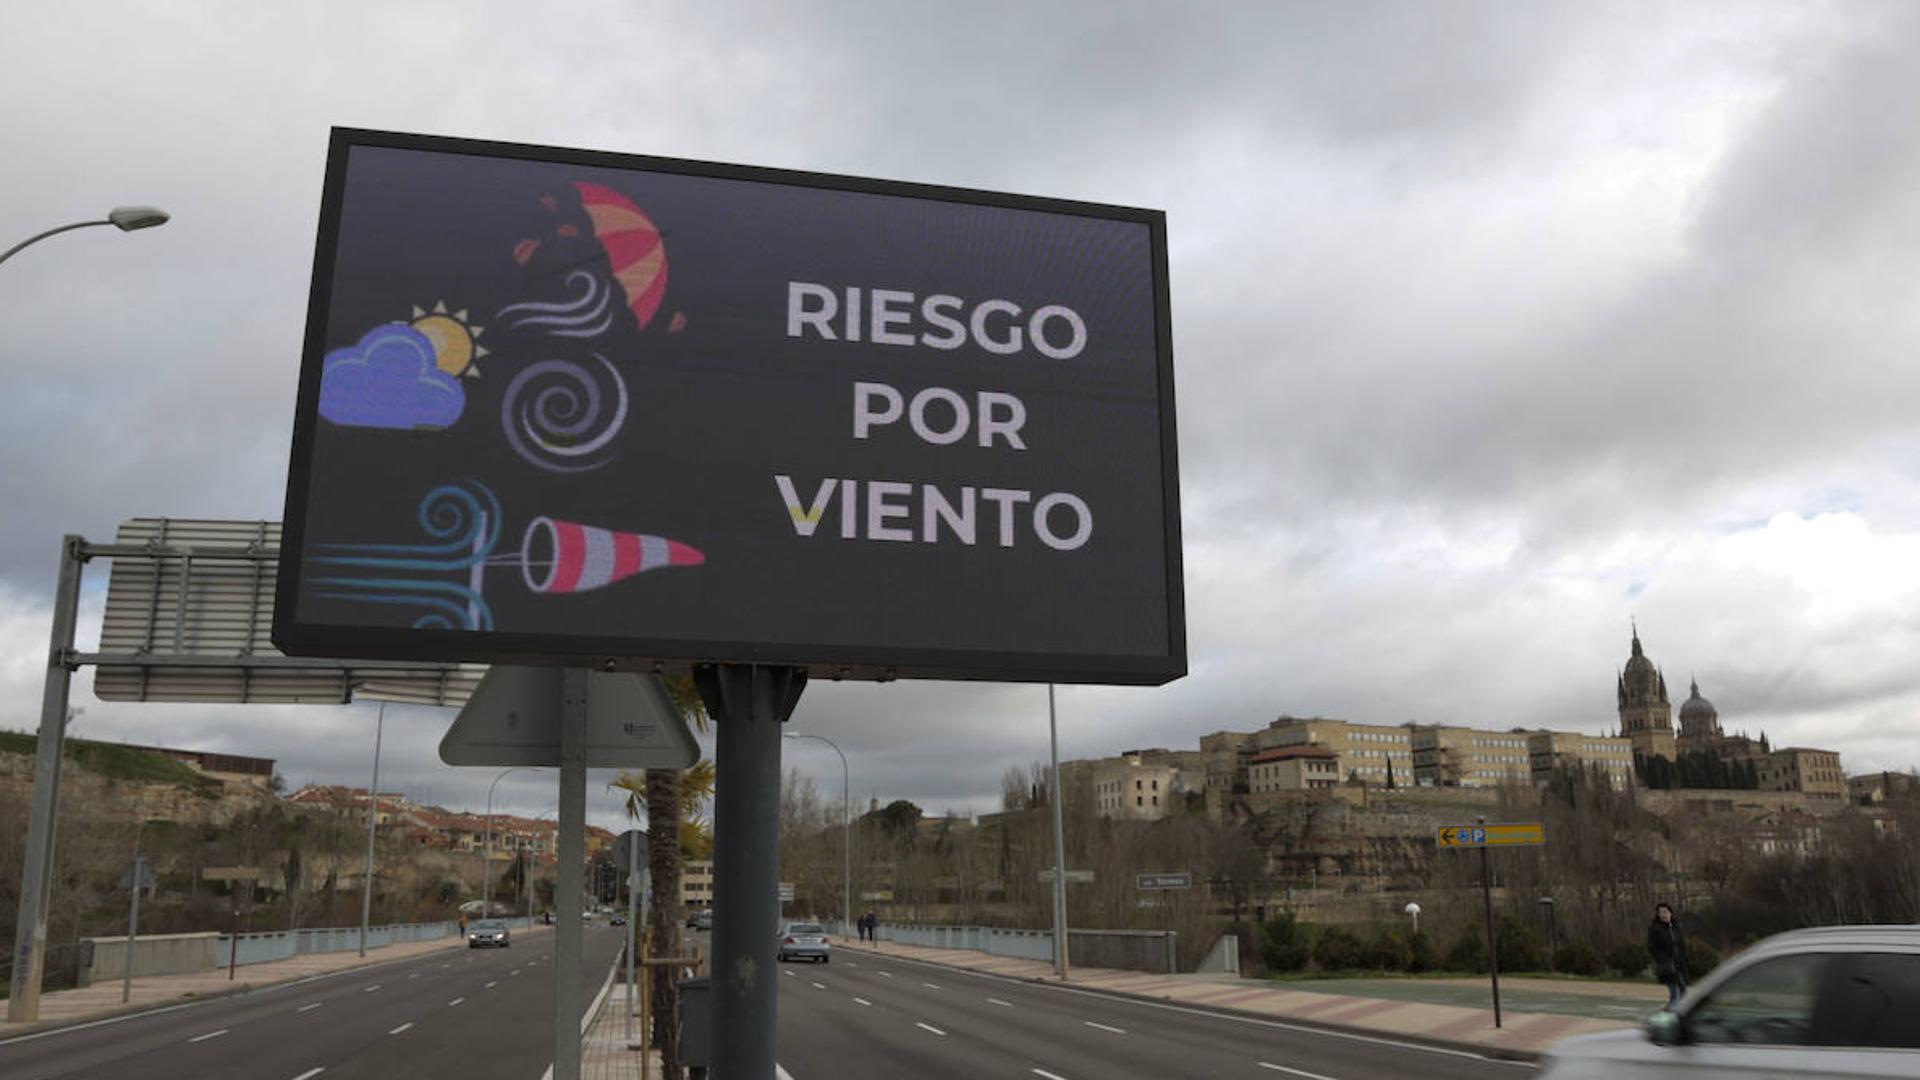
1056 797
748 703
36 877
567 933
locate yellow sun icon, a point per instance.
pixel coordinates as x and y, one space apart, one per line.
454 348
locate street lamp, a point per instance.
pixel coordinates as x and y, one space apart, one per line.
124 218
526 878
1553 937
846 830
486 859
1414 911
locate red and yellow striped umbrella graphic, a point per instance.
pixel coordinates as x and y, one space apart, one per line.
633 246
577 558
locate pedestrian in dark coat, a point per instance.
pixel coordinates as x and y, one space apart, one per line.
1667 944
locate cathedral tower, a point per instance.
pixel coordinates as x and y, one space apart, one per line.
1646 717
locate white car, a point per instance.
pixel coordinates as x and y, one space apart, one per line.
1837 1001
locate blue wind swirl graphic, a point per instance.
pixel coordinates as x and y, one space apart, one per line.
463 523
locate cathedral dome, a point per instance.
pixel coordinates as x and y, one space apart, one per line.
1697 707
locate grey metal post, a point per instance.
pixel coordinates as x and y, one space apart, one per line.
748 703
133 919
573 816
1059 845
36 877
486 857
846 831
373 819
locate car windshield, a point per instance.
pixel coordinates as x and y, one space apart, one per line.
489 927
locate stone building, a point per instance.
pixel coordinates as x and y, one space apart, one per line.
1446 756
1293 768
1646 717
1550 750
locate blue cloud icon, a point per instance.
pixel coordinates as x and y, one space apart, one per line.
389 380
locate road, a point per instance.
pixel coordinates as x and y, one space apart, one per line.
470 1014
863 1016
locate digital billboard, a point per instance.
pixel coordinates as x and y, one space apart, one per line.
569 407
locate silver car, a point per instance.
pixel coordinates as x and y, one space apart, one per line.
805 939
488 934
1838 1001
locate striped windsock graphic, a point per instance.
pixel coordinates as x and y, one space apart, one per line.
576 558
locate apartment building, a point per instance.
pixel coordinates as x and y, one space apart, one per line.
1550 750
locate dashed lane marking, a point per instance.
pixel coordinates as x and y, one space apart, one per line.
401 1028
455 1001
1293 1072
371 989
1105 1027
863 1001
930 986
304 1008
1048 1075
311 1073
491 985
819 986
209 1035
930 1027
1002 1004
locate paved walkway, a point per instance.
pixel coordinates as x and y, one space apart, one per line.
1524 1034
603 1049
62 1007
1565 997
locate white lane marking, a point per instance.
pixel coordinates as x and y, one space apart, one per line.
819 986
1048 1075
1002 1004
1104 1027
371 989
787 971
315 1005
401 1028
1294 1072
415 975
210 1035
515 971
1189 1010
885 974
491 985
455 1001
852 964
930 1027
863 1001
311 1073
445 966
780 1073
930 986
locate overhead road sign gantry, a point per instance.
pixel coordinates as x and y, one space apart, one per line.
1526 834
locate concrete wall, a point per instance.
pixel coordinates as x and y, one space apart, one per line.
1126 950
158 954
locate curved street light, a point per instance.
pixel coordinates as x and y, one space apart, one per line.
124 218
846 831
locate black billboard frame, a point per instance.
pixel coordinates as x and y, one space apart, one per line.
671 654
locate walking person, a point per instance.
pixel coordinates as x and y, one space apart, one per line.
1667 944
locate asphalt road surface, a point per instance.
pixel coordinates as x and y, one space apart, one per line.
864 1017
458 1014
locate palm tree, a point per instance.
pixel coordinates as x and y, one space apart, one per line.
671 800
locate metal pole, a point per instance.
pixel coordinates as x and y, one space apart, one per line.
233 943
133 917
748 703
486 857
1493 943
373 819
573 815
1059 845
633 911
36 877
846 831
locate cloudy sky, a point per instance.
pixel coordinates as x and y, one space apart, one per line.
1496 326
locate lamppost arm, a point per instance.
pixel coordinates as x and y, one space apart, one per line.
846 828
127 218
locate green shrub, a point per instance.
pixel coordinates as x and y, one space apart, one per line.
1421 955
1577 958
1338 949
1701 958
1283 944
1520 948
1629 959
1389 951
1469 952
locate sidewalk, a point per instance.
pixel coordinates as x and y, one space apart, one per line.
61 1008
603 1049
1524 1034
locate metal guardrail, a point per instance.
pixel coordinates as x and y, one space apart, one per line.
273 945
